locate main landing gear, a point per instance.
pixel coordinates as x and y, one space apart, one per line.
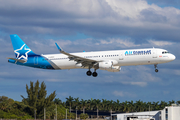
156 70
89 73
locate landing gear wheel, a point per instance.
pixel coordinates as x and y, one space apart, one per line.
94 74
89 73
155 65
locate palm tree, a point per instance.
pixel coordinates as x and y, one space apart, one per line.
125 106
171 102
91 104
139 106
83 104
76 103
69 102
149 106
130 106
97 104
162 105
57 101
104 104
155 106
111 104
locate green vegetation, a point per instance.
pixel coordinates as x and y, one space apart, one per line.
107 105
13 109
83 116
37 100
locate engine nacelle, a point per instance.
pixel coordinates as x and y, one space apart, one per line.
79 65
109 66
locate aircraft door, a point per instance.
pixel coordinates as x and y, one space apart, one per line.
154 52
36 60
121 57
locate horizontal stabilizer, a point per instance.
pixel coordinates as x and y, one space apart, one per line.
17 60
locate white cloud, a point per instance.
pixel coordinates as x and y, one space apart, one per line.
5 73
177 72
146 74
121 17
141 84
124 43
62 94
118 93
55 80
129 8
149 77
62 43
160 43
123 94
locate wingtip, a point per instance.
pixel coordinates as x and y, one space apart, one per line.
58 47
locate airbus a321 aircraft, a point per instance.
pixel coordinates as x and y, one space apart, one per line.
111 61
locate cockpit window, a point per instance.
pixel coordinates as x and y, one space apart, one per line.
165 52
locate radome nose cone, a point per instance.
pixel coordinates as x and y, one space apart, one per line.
174 57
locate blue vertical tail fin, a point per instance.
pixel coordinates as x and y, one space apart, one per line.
21 50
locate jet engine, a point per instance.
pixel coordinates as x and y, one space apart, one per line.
109 66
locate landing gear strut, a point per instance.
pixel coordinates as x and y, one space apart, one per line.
156 70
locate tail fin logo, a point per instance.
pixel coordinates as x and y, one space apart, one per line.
22 53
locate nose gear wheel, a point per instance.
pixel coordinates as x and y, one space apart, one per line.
156 70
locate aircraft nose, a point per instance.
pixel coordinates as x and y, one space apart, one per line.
173 57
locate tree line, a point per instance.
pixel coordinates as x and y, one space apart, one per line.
37 101
110 105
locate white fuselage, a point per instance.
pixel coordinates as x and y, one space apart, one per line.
118 57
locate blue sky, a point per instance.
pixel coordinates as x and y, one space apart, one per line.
92 25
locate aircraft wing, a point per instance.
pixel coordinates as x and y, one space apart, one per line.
84 61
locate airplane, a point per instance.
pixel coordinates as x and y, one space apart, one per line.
111 61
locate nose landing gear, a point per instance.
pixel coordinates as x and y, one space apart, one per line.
156 70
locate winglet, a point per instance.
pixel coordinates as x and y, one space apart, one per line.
60 49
